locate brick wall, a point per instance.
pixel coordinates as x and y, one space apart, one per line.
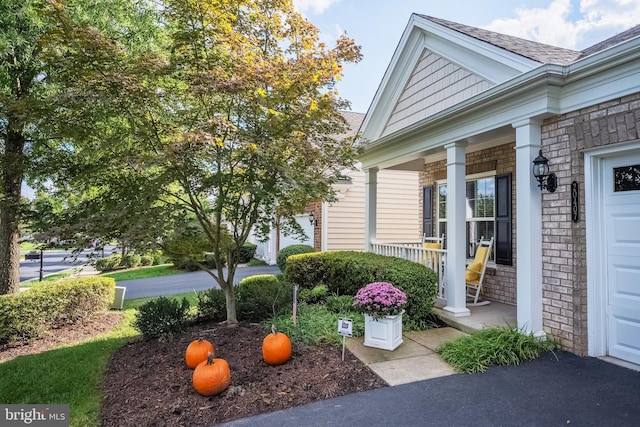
564 248
500 282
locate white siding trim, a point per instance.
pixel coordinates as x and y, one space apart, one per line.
597 296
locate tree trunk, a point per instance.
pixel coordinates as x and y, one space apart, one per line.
12 175
230 297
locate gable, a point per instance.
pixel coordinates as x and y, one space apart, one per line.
472 64
435 84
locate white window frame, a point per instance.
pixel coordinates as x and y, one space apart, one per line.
467 178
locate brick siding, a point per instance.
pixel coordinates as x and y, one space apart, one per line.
500 282
564 246
316 208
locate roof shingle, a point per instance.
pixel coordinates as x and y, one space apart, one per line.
539 52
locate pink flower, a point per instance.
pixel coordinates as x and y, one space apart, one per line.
379 299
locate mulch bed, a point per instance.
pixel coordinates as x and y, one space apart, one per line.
149 384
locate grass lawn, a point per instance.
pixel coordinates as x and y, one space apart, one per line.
71 375
28 246
74 374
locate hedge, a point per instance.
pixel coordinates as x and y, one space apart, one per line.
109 263
345 272
287 251
27 315
262 296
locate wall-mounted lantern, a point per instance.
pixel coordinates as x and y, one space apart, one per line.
546 180
312 219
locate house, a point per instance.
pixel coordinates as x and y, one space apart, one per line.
339 225
470 110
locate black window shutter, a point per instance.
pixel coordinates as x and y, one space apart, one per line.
427 211
503 220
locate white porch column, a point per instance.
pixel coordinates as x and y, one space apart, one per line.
455 291
529 229
370 206
324 225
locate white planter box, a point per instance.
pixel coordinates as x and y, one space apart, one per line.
384 333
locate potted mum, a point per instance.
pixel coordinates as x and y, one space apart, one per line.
383 305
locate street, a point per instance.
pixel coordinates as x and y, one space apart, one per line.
54 261
186 282
59 260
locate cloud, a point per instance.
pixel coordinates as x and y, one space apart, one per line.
560 25
315 7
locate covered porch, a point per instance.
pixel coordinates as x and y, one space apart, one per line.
501 162
493 314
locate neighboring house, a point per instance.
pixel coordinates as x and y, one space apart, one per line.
340 225
470 110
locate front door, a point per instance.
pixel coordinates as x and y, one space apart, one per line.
622 224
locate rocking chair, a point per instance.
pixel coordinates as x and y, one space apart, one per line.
475 272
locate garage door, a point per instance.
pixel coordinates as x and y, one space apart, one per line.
622 222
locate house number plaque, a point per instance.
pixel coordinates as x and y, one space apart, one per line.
575 202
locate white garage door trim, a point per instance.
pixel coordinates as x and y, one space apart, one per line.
596 272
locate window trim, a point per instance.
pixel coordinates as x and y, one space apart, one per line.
471 177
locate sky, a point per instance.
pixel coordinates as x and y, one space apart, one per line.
377 26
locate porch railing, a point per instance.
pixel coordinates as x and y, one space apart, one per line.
435 259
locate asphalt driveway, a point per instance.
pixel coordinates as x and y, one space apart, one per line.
563 391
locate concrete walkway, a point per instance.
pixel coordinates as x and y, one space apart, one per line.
416 358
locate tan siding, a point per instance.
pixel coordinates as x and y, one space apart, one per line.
436 83
398 208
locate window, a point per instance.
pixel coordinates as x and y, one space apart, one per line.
626 178
488 203
480 208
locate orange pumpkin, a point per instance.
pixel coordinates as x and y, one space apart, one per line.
212 376
276 348
197 352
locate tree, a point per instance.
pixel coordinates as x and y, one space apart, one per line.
20 89
235 122
42 119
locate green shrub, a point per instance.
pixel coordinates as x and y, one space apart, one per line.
184 263
20 318
131 260
210 262
262 296
340 304
212 304
158 258
109 263
29 314
287 251
313 296
77 299
246 252
504 345
146 260
345 272
162 317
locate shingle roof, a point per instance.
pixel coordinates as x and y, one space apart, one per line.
354 120
612 41
539 52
